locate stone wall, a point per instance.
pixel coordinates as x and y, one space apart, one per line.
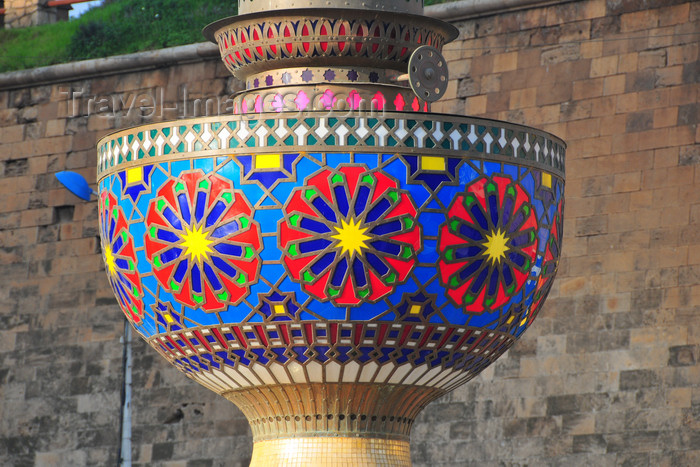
23 13
60 352
607 375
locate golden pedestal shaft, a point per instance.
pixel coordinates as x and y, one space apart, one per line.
344 424
331 451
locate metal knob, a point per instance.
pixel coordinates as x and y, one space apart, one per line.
427 73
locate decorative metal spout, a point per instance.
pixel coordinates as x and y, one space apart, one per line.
331 257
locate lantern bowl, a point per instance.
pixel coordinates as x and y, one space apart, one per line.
331 274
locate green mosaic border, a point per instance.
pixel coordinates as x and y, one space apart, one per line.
421 134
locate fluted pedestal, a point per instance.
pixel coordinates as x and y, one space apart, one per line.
355 424
349 424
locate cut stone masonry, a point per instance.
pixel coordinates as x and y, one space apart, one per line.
24 13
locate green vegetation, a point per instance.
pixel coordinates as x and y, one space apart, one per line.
118 27
33 47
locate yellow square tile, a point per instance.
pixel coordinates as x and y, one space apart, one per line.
134 175
547 180
433 163
267 161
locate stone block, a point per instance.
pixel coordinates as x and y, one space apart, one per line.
12 134
578 424
505 62
587 89
639 20
669 76
688 114
652 59
604 66
684 355
640 121
665 117
673 15
639 441
497 101
560 53
36 217
582 128
637 379
467 87
554 94
640 81
691 72
591 443
493 83
680 54
162 451
594 225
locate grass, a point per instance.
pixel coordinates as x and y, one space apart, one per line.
141 25
118 27
37 46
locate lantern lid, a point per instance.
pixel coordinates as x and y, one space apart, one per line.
403 6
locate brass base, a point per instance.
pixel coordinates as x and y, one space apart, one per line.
335 410
332 424
331 451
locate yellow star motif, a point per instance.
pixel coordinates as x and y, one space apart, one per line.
110 260
351 237
496 246
196 243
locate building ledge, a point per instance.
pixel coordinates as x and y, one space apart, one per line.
468 9
117 64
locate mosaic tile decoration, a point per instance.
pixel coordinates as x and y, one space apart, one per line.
421 135
261 268
363 98
336 75
329 256
249 44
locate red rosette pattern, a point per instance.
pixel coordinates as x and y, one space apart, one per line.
119 255
350 235
202 241
488 245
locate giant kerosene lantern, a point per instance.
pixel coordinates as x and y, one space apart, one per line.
331 256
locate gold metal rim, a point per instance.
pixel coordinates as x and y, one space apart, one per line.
389 132
449 31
